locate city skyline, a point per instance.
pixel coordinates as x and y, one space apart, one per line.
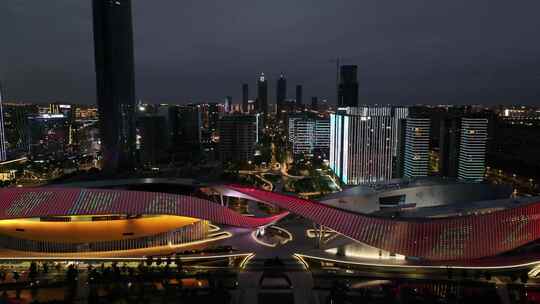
488 63
269 152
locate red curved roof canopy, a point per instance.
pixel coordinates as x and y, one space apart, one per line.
41 202
453 238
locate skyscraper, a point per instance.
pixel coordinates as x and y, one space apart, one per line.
3 155
416 158
262 95
113 42
348 86
245 97
281 93
228 104
212 115
237 137
360 145
314 103
291 120
472 149
185 125
311 135
463 147
398 113
299 97
153 139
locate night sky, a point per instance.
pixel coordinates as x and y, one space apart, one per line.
413 51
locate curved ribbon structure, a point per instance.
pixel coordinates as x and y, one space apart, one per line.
42 202
454 238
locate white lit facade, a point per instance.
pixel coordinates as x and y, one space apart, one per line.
361 145
399 113
310 135
416 159
472 149
291 125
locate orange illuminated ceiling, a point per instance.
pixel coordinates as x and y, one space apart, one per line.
91 231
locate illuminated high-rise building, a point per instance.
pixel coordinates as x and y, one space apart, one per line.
472 149
262 94
398 113
416 156
113 42
291 120
311 135
281 93
463 146
348 86
228 104
361 145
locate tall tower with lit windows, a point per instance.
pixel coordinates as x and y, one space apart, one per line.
262 94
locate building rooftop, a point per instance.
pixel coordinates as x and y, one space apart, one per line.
463 208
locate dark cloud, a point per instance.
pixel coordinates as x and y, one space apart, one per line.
425 51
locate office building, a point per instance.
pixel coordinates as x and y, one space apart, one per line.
152 140
360 145
228 106
472 150
348 86
291 120
262 95
463 147
245 98
185 126
299 98
281 94
212 115
398 113
416 152
314 103
113 41
311 136
237 137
